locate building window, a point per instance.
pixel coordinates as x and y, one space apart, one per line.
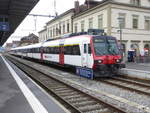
51 33
76 27
135 21
59 28
100 21
82 26
48 32
68 26
136 2
63 27
147 23
122 16
90 23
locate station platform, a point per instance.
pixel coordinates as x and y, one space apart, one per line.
19 94
137 70
138 66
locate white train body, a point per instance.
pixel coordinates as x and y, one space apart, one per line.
77 51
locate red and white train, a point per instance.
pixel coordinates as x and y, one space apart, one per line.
98 53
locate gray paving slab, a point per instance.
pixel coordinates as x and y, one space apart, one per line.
11 98
52 106
137 66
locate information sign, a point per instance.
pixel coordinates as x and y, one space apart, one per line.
4 26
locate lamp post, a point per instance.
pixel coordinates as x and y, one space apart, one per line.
120 21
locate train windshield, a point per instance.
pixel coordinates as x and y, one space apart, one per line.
100 46
105 47
112 47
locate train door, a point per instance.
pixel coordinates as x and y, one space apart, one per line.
41 52
85 54
61 54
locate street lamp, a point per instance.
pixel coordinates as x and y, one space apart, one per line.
120 21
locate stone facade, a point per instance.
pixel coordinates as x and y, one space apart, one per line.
134 15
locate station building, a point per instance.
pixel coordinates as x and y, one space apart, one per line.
130 17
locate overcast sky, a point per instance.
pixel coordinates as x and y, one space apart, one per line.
44 7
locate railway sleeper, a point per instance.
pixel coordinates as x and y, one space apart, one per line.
85 103
72 96
63 91
57 87
90 108
66 94
105 110
78 100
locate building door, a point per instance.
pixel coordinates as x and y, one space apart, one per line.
41 52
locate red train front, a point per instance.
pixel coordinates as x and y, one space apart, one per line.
107 56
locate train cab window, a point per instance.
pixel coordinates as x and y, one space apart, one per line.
112 47
85 48
100 46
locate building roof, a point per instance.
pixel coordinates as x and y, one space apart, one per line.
29 37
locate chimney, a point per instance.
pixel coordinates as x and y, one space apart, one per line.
76 6
90 3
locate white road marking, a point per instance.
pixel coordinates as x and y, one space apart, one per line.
33 101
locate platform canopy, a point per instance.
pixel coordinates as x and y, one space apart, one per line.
12 13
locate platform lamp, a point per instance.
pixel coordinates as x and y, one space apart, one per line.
120 21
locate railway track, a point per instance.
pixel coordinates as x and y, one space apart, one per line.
73 99
129 84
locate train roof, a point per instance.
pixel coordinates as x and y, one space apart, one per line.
28 46
68 40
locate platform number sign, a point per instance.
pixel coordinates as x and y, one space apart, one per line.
4 26
84 72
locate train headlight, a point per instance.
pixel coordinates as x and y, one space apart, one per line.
118 60
99 61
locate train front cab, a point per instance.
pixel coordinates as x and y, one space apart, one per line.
107 59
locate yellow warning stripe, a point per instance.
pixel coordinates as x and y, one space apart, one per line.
64 45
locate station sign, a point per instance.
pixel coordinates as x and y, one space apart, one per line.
4 26
85 72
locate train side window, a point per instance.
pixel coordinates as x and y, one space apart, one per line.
76 50
47 50
68 50
44 49
30 51
57 50
52 50
85 48
65 49
89 49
